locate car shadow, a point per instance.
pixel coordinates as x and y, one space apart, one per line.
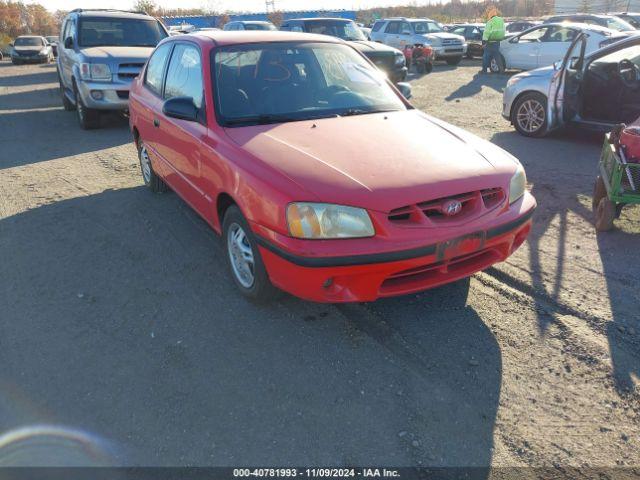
50 122
498 82
124 322
39 78
571 153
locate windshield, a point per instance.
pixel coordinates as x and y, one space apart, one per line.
283 82
120 32
51 39
259 26
422 28
28 42
344 30
633 20
615 23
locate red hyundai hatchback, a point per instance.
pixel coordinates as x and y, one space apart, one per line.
322 179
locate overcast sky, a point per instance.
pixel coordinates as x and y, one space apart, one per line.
232 5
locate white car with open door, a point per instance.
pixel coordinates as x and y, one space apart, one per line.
594 91
546 44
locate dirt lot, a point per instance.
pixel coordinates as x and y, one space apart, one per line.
120 325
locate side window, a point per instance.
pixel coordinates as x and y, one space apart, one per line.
534 35
559 34
459 31
297 27
285 27
393 27
155 68
406 29
65 30
377 26
184 75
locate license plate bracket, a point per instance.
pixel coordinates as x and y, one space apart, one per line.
460 246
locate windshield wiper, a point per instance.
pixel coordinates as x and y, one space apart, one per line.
359 111
262 119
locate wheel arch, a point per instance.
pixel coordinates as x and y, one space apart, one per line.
522 94
223 202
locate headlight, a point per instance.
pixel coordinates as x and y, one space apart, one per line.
399 59
95 71
517 185
324 220
43 51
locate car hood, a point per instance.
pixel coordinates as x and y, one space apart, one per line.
543 72
366 46
443 36
377 161
118 54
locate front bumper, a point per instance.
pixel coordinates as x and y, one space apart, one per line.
450 51
115 95
364 278
30 58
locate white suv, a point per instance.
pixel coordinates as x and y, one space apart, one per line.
398 32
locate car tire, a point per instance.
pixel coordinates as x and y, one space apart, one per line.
498 64
244 259
529 115
88 118
599 192
605 215
151 179
15 62
469 55
453 61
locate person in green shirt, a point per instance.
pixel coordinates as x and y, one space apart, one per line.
494 33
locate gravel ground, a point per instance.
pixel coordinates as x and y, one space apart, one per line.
120 326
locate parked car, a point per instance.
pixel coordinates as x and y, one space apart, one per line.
249 25
518 26
398 32
543 45
366 31
607 21
472 33
31 49
594 90
102 52
53 41
631 18
322 179
388 59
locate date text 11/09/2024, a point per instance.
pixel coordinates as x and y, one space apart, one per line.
316 472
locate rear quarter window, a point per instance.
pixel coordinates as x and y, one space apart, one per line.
377 26
155 68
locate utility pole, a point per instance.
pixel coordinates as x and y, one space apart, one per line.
270 5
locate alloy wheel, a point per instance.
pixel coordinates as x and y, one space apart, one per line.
530 116
145 165
241 255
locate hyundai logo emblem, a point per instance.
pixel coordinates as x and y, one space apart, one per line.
452 207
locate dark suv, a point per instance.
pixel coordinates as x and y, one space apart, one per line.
389 59
99 53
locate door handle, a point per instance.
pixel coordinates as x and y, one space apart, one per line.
156 122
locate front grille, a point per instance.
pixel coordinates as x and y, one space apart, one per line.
129 71
432 211
451 41
123 94
29 53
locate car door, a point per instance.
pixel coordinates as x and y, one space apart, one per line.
66 55
564 89
405 35
554 44
180 141
522 50
392 34
148 100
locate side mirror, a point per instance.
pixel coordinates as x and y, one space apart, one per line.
68 42
514 40
575 63
182 108
405 89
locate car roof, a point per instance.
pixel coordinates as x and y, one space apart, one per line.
30 36
225 37
307 19
458 25
113 14
581 26
596 15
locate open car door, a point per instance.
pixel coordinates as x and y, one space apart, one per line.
565 86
